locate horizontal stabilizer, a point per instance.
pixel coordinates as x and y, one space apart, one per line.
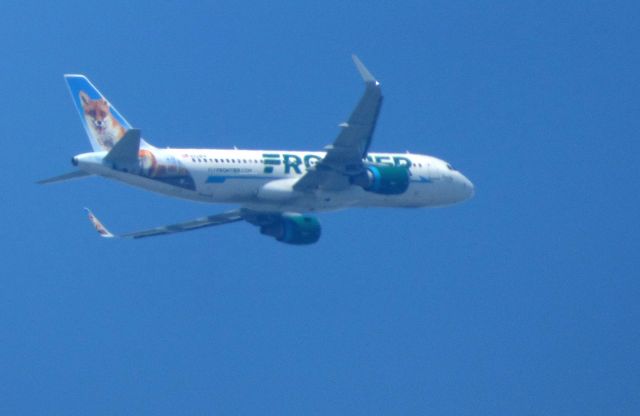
66 177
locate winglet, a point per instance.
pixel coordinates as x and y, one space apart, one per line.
102 230
364 72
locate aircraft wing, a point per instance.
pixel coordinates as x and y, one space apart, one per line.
345 156
211 220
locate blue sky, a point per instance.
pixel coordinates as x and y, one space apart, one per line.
522 301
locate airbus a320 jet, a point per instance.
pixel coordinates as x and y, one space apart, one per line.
275 189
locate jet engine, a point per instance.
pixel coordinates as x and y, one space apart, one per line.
295 229
382 179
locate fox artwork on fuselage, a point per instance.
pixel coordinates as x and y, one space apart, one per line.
276 190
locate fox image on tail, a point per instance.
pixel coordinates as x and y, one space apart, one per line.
105 128
104 125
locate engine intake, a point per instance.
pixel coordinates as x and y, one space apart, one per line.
293 229
382 179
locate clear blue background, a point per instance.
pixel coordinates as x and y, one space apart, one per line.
522 301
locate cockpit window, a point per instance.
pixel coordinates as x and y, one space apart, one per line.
450 167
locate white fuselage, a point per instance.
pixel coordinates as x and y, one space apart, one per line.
263 180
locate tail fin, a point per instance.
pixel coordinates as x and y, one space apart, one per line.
104 125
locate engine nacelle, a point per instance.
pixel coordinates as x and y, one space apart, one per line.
385 180
293 229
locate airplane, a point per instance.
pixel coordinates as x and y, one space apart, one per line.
275 189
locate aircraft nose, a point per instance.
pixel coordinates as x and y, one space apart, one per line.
469 186
467 190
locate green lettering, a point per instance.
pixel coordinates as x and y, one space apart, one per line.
309 158
384 160
291 162
270 160
402 161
